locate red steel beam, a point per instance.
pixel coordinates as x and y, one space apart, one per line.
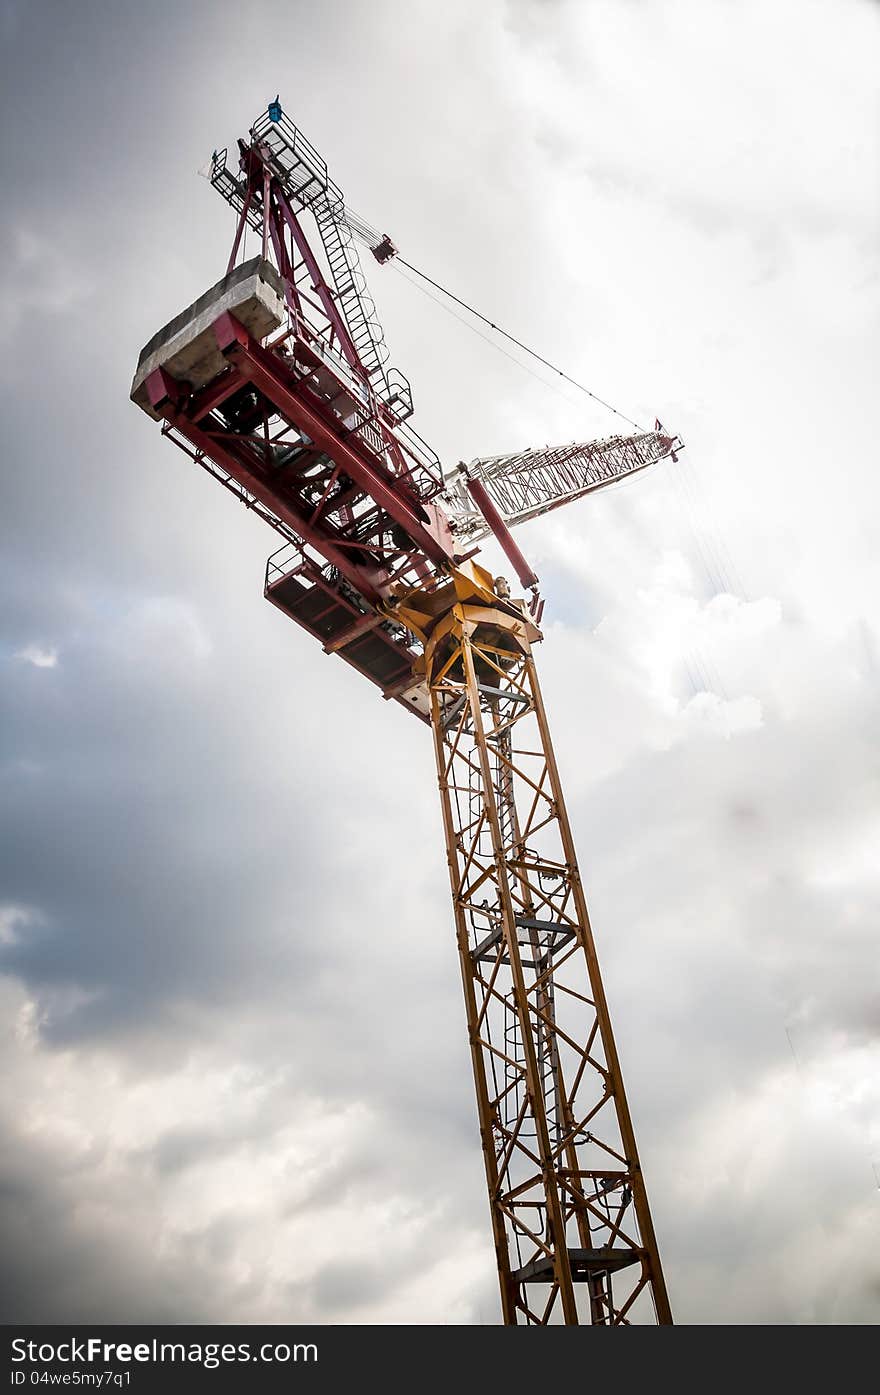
165 393
213 395
331 309
358 627
264 370
481 498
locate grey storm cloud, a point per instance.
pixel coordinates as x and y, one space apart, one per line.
235 1081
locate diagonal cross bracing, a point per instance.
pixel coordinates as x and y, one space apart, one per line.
573 1232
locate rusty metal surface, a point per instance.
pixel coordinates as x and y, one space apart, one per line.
572 1227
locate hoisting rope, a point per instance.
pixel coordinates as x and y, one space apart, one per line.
518 342
374 239
701 671
721 575
486 338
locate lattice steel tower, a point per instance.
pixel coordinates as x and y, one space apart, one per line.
276 381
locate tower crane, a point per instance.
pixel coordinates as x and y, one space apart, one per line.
277 383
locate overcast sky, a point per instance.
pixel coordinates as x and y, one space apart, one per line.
236 1084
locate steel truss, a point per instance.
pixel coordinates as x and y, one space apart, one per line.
526 484
572 1227
306 424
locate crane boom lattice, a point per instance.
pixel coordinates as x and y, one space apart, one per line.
276 382
525 484
573 1234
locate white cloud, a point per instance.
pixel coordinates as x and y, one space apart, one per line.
38 655
235 844
709 712
13 919
39 284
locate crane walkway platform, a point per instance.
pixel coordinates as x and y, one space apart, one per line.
375 646
585 1264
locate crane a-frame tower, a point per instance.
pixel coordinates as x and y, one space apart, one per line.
276 381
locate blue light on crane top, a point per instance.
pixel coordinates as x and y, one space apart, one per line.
275 112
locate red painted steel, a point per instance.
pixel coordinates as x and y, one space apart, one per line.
478 493
310 429
265 370
370 582
319 284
